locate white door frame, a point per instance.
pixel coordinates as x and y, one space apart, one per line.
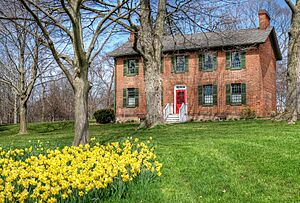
178 87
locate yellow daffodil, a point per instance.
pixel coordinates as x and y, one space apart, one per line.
56 173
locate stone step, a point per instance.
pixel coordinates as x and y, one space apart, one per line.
172 121
173 116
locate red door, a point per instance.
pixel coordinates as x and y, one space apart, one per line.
180 99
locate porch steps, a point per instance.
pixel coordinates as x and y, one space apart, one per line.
173 118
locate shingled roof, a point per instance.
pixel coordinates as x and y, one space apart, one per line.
198 41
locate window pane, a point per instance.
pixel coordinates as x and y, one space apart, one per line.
208 99
131 66
236 93
131 101
131 97
236 98
236 88
208 61
236 59
180 63
208 94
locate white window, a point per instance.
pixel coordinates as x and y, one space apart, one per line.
208 94
131 97
236 61
132 67
236 93
180 64
208 61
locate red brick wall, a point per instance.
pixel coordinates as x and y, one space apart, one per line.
268 66
129 82
259 76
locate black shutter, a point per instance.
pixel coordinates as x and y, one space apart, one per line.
228 94
200 95
200 62
173 69
244 100
215 94
137 66
186 63
125 96
136 97
125 67
228 60
162 65
215 55
243 59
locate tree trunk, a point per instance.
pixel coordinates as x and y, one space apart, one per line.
23 117
153 89
43 102
16 109
81 90
291 109
150 38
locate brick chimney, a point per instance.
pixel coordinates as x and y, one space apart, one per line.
264 19
131 37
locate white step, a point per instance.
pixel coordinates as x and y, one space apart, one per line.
173 118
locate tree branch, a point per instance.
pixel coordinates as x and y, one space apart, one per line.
10 83
291 5
98 29
59 25
49 42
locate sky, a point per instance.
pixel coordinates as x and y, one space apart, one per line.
121 38
282 2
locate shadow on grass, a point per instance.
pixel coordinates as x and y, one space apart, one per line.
51 127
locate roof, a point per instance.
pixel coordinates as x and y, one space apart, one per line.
206 40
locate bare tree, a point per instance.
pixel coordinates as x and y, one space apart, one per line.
81 25
102 76
291 109
149 36
21 52
7 103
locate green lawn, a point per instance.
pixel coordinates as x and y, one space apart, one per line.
236 161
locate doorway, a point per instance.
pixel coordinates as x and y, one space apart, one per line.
179 97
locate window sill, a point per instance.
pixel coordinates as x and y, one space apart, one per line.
130 75
235 68
236 104
130 107
211 70
179 72
208 105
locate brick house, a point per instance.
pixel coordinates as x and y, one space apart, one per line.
204 75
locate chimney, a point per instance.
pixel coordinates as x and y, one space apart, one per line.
131 37
264 19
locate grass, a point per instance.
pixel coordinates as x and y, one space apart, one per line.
236 161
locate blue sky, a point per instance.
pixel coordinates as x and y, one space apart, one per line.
121 38
282 2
